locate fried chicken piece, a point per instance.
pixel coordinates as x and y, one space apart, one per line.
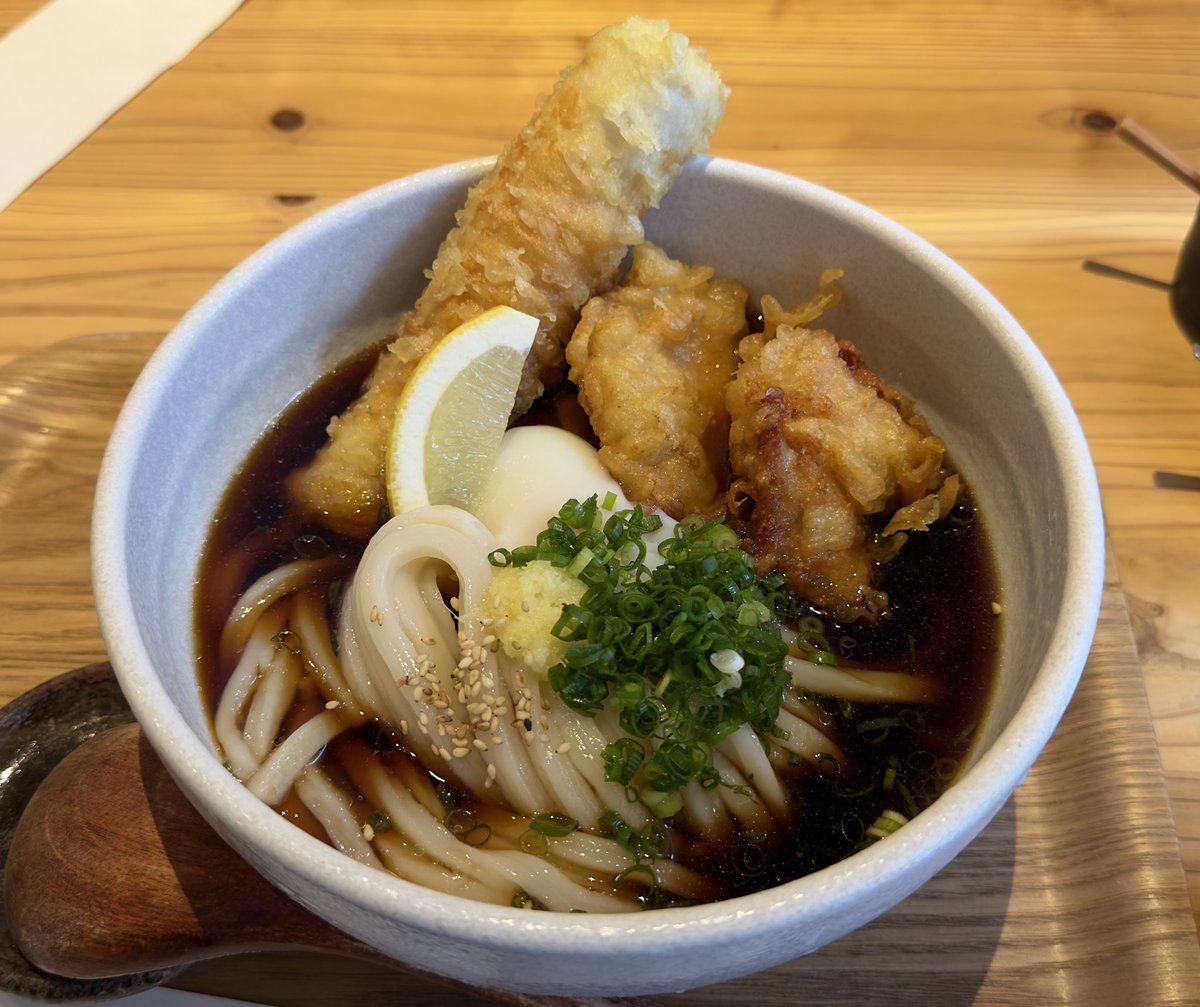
652 359
548 227
818 444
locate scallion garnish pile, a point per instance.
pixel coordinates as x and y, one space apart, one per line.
686 651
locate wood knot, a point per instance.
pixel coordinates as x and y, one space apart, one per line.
286 120
293 198
1098 121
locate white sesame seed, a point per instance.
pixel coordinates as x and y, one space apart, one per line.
368 832
997 608
460 752
333 704
563 748
491 770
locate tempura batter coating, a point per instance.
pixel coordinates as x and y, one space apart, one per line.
817 444
548 227
652 359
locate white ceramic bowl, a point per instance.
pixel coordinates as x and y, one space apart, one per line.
311 297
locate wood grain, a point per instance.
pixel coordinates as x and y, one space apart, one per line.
965 121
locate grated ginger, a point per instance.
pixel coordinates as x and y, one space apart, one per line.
526 602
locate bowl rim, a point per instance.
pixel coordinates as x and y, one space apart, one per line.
917 849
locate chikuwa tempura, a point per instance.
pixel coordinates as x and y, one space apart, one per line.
723 615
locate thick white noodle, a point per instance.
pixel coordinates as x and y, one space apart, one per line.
264 592
587 743
705 812
308 619
599 854
503 870
738 796
275 777
478 718
408 863
744 750
804 739
273 697
259 650
331 807
860 685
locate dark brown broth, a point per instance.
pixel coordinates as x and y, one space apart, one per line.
942 586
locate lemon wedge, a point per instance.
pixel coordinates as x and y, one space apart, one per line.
454 410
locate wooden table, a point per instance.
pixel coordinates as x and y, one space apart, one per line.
973 123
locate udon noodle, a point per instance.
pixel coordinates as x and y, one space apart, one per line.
412 742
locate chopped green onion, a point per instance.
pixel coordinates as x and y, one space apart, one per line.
662 805
751 859
622 759
534 843
946 768
379 821
883 826
923 760
310 546
551 823
852 827
581 561
289 640
640 639
964 736
640 869
876 730
477 835
523 900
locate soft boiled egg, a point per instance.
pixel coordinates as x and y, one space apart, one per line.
537 470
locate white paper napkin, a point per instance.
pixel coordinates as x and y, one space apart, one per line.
69 66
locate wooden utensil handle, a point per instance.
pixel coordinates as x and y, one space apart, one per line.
112 871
